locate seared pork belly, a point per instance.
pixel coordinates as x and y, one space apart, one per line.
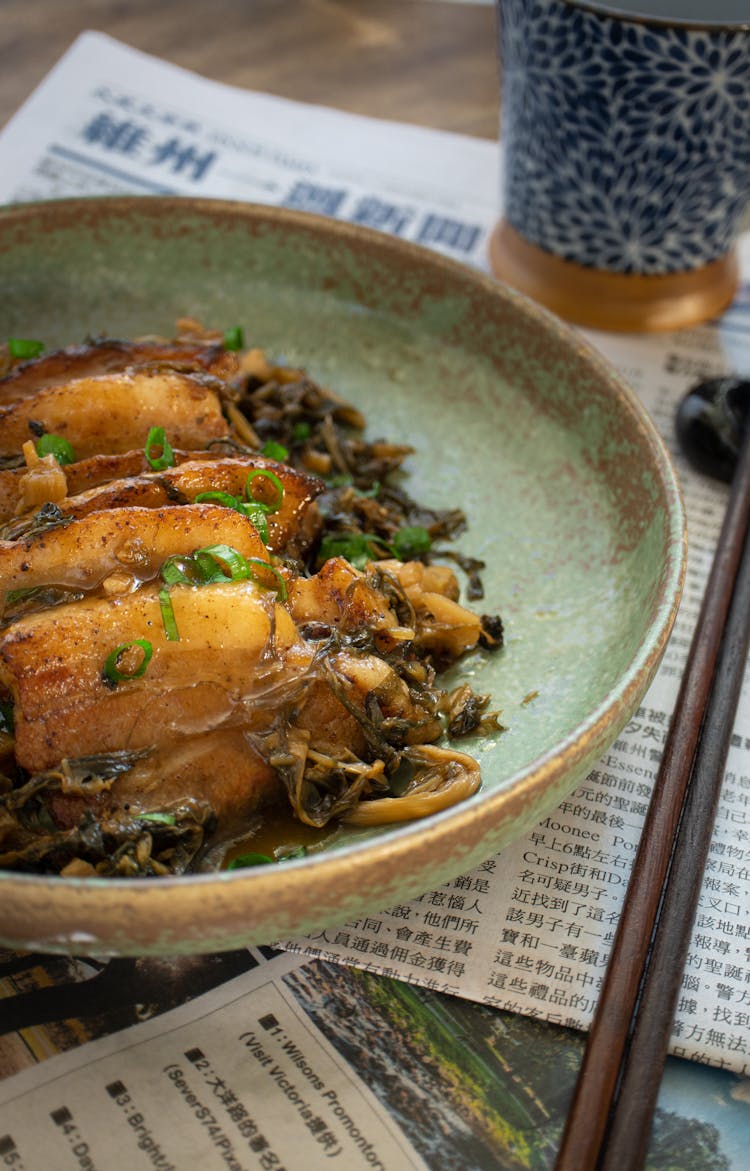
247 479
80 476
237 649
121 548
105 355
115 412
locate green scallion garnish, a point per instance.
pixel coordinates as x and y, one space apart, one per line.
301 431
356 548
234 339
213 565
220 563
158 452
267 506
254 512
274 450
256 515
112 672
281 590
167 615
411 542
56 445
243 860
179 570
24 347
359 548
225 498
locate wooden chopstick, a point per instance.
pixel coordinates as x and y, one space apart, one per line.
609 1122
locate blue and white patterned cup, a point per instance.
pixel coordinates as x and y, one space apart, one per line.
626 135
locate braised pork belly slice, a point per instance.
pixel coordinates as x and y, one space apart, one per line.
121 548
221 769
106 355
80 476
237 652
271 484
115 412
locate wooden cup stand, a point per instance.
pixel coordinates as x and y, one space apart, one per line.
612 300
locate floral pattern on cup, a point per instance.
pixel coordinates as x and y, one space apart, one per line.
627 144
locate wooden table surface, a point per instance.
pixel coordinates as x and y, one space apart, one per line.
429 62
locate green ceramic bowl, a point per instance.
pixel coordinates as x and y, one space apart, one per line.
571 498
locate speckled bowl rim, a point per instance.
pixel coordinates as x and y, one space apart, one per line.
208 912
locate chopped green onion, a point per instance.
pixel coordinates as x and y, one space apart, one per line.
176 570
244 860
301 431
24 347
357 548
252 510
273 450
157 440
265 474
234 339
167 615
257 516
218 563
212 565
283 854
111 671
411 541
159 818
281 590
58 446
225 498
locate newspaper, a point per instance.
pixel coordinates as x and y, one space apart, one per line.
176 1092
528 931
299 1063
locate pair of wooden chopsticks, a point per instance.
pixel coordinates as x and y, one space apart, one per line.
609 1122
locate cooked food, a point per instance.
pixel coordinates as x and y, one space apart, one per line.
215 601
213 478
110 412
104 355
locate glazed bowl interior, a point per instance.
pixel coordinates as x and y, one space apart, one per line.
571 499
